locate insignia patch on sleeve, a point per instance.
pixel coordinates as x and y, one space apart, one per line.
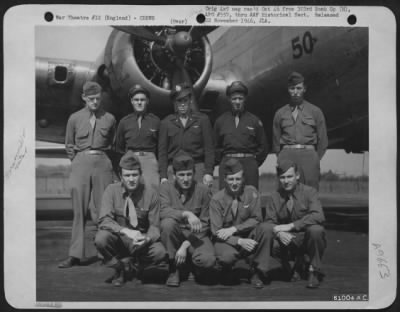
260 123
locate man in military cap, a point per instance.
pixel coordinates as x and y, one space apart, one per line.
240 134
299 132
185 221
89 138
295 231
236 227
128 236
138 132
189 131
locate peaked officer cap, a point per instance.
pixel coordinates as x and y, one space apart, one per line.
284 165
182 161
295 78
232 166
180 91
236 86
138 89
91 88
129 161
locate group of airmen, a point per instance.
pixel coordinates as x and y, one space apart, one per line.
157 214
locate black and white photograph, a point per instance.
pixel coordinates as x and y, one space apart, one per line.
198 162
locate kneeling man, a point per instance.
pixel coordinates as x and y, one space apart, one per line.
296 217
129 223
185 221
235 215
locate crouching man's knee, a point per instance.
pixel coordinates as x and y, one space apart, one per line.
103 239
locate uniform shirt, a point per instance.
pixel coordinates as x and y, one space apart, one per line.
196 138
307 209
248 215
130 137
113 210
309 128
81 136
196 202
248 137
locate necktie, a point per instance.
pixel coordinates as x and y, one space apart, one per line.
183 120
92 120
234 207
236 120
131 212
290 204
139 121
183 198
295 111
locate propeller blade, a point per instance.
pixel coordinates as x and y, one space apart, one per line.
200 31
141 33
180 75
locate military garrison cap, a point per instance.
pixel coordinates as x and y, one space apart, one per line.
284 165
295 78
182 161
91 88
236 86
138 89
180 91
232 166
129 161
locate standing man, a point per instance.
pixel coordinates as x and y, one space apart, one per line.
188 131
185 221
295 218
235 215
138 132
129 223
89 137
240 134
299 132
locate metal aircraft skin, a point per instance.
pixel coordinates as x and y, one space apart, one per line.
334 61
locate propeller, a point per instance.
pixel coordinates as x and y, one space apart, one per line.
169 51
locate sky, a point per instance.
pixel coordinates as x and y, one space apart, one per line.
86 44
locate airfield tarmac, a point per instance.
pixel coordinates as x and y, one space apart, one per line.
345 268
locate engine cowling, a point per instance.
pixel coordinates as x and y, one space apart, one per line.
129 61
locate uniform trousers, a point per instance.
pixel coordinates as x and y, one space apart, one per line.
198 173
113 245
310 243
308 163
201 249
228 255
150 170
90 174
250 171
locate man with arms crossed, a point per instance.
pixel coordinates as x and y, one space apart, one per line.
185 221
89 138
128 235
295 218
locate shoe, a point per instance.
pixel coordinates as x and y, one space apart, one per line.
313 280
295 277
130 268
69 262
111 278
256 282
173 279
120 279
